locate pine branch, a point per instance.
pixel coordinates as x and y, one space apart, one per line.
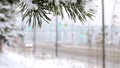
74 10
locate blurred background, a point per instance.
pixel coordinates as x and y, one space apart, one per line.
65 38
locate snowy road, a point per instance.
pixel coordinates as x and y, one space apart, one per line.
96 52
88 55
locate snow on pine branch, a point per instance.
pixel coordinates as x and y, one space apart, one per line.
55 7
9 32
8 29
29 4
88 3
65 1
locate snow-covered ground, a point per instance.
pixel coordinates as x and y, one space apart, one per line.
13 60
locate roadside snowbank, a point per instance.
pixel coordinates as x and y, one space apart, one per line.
13 60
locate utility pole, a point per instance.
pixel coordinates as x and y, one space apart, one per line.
103 35
34 39
56 43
